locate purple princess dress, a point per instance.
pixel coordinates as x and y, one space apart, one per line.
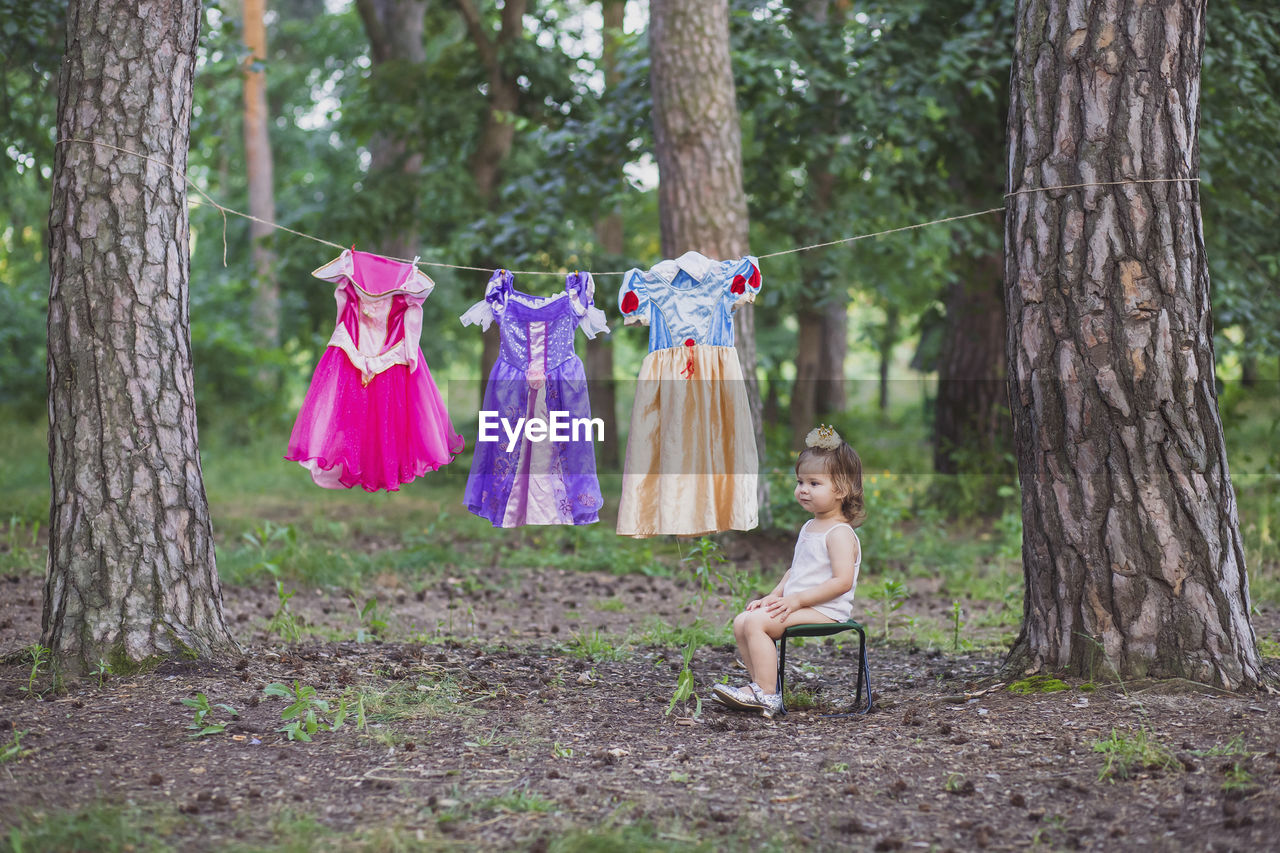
538 377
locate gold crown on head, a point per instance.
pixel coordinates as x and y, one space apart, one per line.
823 436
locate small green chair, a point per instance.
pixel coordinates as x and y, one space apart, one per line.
824 629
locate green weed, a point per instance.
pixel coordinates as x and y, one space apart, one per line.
685 683
306 712
13 750
203 723
373 621
283 622
40 659
1238 778
889 598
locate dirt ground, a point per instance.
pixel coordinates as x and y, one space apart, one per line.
491 734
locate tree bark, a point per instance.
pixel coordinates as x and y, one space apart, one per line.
132 575
1133 558
258 169
971 424
601 387
702 205
395 30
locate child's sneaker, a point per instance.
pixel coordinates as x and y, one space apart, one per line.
768 704
738 698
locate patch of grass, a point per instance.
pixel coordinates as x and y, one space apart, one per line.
799 698
624 839
101 827
656 632
1126 754
411 700
594 646
611 605
1238 778
519 801
1038 684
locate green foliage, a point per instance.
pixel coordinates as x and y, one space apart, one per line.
1127 754
102 671
40 659
373 621
283 622
685 684
889 597
100 827
593 646
13 750
306 712
656 632
956 624
202 722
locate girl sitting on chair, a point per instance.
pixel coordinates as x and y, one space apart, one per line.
820 583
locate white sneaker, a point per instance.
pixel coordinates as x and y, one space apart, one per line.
768 704
738 698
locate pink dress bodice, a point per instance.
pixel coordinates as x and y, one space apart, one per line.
379 311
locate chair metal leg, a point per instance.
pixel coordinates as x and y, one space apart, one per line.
782 669
864 679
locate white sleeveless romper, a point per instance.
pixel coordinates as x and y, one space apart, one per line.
811 566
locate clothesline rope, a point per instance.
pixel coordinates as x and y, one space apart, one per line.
225 210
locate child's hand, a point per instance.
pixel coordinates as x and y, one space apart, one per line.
754 605
781 607
762 602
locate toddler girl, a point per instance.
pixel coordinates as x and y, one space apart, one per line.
819 585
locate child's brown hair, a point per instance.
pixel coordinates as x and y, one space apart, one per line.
845 467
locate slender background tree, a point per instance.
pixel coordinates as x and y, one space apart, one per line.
698 140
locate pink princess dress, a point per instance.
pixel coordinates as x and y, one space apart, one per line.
373 417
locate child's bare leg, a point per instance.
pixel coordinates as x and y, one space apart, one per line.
740 637
760 633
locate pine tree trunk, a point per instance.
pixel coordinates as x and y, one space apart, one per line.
1133 558
702 205
131 572
258 170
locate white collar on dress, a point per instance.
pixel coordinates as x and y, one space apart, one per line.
697 265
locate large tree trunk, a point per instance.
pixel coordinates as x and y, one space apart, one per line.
702 205
601 387
971 422
1132 551
395 30
257 151
131 565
